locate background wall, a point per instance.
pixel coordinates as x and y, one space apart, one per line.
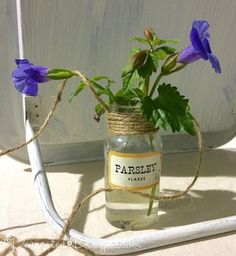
92 36
11 111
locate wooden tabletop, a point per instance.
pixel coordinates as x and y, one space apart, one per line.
212 197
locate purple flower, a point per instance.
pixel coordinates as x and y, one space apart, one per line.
27 76
200 48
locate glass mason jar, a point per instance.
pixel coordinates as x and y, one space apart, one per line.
132 161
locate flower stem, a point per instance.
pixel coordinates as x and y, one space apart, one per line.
86 81
153 191
146 85
155 84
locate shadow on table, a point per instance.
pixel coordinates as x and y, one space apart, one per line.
89 173
200 206
215 163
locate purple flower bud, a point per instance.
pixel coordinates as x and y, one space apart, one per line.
200 48
27 76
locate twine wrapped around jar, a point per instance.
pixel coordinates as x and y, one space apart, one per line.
124 123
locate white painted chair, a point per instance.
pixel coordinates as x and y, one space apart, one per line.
97 29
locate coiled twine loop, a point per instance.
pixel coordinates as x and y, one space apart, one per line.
120 123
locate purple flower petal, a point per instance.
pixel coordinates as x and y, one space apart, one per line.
206 45
189 55
27 76
202 27
18 74
195 40
214 62
43 72
200 47
23 64
31 90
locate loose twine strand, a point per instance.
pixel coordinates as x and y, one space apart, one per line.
45 123
55 243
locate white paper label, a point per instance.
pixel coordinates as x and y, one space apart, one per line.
134 171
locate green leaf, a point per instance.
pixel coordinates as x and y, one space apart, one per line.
155 59
125 97
99 78
129 75
129 78
170 110
170 99
160 54
188 124
168 50
163 51
79 88
108 81
138 92
166 41
147 107
100 89
58 74
126 70
148 68
99 109
132 52
140 40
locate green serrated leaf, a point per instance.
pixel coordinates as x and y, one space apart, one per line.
147 107
174 109
148 68
188 124
171 99
170 110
